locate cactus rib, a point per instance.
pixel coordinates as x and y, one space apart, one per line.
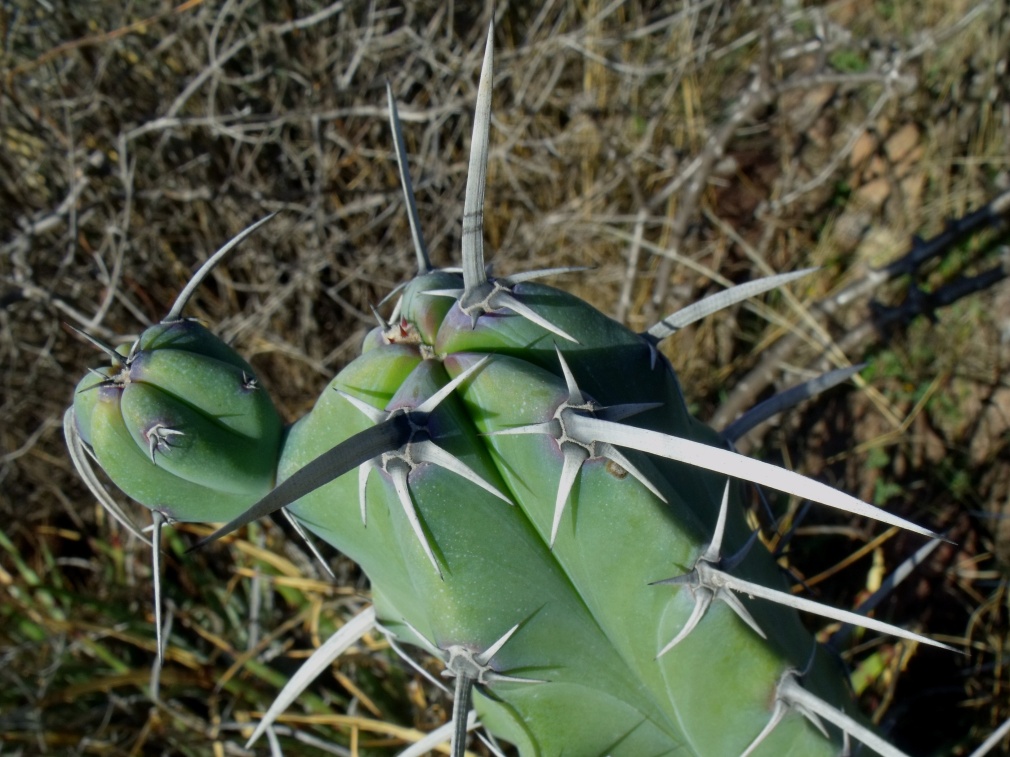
80 456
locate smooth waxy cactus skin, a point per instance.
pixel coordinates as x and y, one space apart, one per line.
181 424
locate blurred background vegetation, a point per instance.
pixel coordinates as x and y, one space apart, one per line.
673 146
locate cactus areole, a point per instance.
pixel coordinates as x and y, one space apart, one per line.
533 503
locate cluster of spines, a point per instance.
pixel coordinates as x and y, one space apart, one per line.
400 440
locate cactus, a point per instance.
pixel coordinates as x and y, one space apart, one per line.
520 478
187 454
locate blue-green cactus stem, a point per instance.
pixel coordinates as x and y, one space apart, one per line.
181 424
